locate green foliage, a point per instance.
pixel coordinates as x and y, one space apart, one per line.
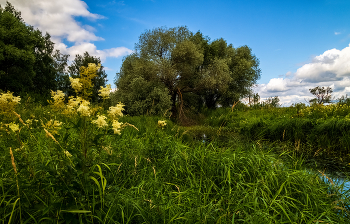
151 175
26 56
322 94
75 72
271 102
344 100
317 128
145 99
197 73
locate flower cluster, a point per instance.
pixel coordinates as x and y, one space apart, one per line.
14 127
67 153
104 92
161 124
117 126
86 76
58 100
72 105
101 121
76 84
84 109
52 126
8 102
116 111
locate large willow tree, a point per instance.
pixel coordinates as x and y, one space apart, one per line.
180 69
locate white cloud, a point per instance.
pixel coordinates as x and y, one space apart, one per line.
58 19
337 33
332 65
91 48
332 68
277 85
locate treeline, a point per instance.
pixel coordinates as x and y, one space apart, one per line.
29 65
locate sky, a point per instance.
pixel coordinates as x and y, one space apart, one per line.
300 44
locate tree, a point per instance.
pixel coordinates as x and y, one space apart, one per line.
60 65
322 94
272 102
101 77
26 56
195 72
139 90
253 98
243 68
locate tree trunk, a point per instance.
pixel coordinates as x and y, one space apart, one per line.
210 101
173 107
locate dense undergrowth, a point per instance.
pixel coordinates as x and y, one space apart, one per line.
79 172
316 131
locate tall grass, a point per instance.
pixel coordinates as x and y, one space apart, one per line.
152 175
319 128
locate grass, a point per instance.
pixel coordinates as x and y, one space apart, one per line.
317 132
154 175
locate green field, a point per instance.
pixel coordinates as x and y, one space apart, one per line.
240 165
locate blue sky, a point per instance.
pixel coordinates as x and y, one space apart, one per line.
300 44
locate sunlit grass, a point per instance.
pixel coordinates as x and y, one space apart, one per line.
154 175
76 168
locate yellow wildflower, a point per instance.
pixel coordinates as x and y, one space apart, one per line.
116 111
101 121
116 126
58 98
67 153
52 126
86 76
8 102
74 102
161 124
14 127
84 109
76 84
29 122
104 92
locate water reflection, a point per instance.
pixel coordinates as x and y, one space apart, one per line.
343 182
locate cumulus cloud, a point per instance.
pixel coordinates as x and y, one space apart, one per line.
91 48
332 65
58 19
332 68
277 85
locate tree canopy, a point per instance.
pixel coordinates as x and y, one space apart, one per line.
322 94
193 71
29 63
26 56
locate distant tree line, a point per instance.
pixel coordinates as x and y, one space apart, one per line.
30 65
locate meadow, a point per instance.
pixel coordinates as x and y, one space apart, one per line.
319 133
72 162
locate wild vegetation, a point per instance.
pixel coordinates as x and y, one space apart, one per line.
319 132
84 164
83 158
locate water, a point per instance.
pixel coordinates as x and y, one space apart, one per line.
341 181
